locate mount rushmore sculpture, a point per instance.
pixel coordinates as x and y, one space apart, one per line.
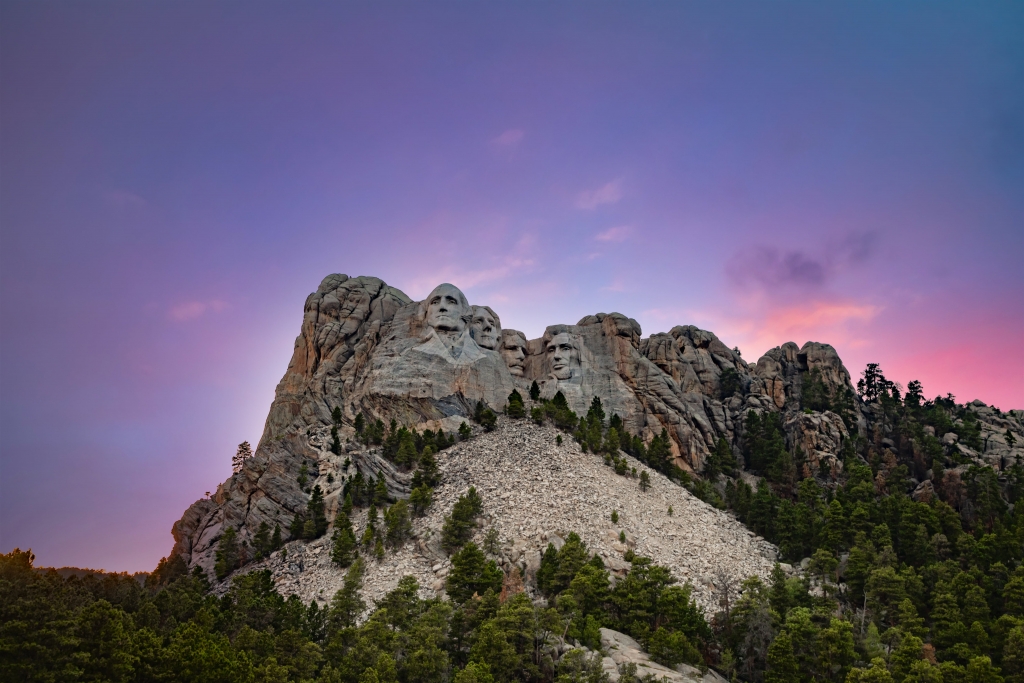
367 349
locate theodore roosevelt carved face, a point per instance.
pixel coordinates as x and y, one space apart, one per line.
513 350
485 327
562 356
447 309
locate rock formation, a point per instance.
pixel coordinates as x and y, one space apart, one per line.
366 349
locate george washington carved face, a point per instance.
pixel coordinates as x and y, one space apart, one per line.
485 327
513 350
447 309
562 356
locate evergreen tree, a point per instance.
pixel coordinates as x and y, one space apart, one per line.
261 541
782 666
1013 656
346 605
243 453
645 481
547 570
315 514
335 440
472 573
406 455
516 408
464 431
380 492
398 524
276 543
420 499
458 526
228 553
343 543
534 391
359 424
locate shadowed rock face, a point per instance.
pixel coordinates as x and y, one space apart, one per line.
365 347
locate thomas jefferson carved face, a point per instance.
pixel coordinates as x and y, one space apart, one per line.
447 309
485 328
562 356
513 350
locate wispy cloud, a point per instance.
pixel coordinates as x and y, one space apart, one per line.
609 193
616 234
758 326
771 268
190 310
510 138
465 279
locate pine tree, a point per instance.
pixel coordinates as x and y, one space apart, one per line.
396 520
261 541
516 409
380 492
782 666
458 526
420 499
645 481
243 453
370 532
547 570
406 455
335 441
336 416
359 424
471 573
346 606
343 543
316 516
464 431
946 621
534 391
275 542
1013 656
909 620
227 553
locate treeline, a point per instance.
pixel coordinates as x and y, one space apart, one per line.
896 589
114 629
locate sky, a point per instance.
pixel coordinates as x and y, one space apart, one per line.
176 178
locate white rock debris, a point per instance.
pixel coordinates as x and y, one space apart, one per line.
536 492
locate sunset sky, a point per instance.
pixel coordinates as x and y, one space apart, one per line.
176 178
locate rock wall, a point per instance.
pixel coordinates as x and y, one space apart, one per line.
365 347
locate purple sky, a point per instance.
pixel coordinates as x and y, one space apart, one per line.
175 178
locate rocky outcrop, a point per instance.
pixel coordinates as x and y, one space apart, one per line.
365 348
534 492
623 651
819 438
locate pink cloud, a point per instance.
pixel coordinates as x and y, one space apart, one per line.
616 234
509 138
190 310
609 193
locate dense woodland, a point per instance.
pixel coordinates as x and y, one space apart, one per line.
892 589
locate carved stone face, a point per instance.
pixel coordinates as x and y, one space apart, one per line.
562 356
513 350
485 328
447 308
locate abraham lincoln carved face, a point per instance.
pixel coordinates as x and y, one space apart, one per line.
562 356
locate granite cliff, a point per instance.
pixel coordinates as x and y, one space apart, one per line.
368 352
